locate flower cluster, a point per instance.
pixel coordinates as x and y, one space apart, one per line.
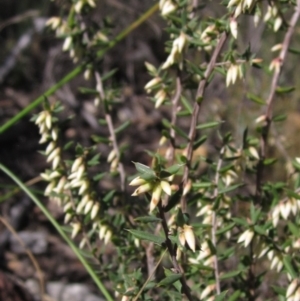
167 7
233 73
69 188
154 187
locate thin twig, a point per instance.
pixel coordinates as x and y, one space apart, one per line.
150 276
214 221
270 100
111 132
29 254
175 101
196 110
172 252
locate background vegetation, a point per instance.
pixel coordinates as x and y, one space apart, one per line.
195 104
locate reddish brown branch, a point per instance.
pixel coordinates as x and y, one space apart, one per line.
196 109
269 109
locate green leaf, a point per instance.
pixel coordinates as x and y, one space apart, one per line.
294 229
109 74
283 90
99 139
202 185
240 221
279 118
294 50
180 132
186 104
148 219
122 127
90 91
235 295
99 176
208 125
147 236
230 188
169 280
174 168
225 229
230 275
260 230
94 161
221 296
144 169
289 267
199 142
109 196
68 145
256 99
269 161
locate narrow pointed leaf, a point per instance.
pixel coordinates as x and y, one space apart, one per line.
169 279
147 236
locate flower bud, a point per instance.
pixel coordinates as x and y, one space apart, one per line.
190 237
143 188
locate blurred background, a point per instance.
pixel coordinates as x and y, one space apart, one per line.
31 61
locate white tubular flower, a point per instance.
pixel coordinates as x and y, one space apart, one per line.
53 154
233 3
285 209
48 120
67 207
166 187
181 236
83 243
55 162
207 291
67 44
153 82
107 237
82 203
78 6
84 187
160 97
50 147
112 155
60 186
187 187
88 206
277 24
76 228
254 152
95 210
234 28
91 3
137 181
76 164
102 232
234 71
176 52
246 237
156 195
54 134
41 118
80 172
167 7
190 237
68 217
53 22
297 295
49 188
291 288
142 189
238 10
